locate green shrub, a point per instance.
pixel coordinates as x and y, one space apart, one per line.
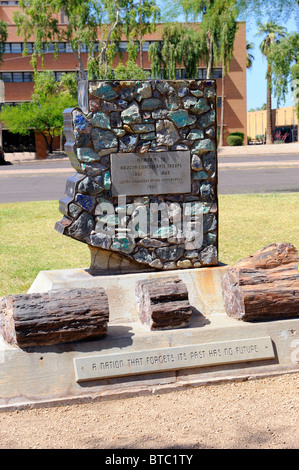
239 134
234 140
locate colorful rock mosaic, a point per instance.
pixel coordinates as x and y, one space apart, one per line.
143 117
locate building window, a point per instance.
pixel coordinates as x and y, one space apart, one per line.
63 17
145 46
16 77
179 74
217 73
202 73
16 47
68 47
28 77
123 46
28 47
6 77
219 101
61 46
83 48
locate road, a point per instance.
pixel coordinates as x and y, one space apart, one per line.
45 180
258 174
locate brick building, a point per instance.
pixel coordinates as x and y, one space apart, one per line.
17 75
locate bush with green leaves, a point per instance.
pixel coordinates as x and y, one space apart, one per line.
239 134
234 140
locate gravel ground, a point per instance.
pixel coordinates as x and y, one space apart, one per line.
254 414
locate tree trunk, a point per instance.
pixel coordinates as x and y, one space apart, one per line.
264 286
163 303
210 59
54 317
140 40
221 136
269 128
82 74
48 144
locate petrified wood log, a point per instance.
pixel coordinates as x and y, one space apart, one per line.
54 317
264 286
163 303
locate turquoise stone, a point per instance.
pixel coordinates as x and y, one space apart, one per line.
93 169
119 132
197 93
149 136
211 237
87 155
181 118
150 104
101 120
144 90
195 134
204 145
131 115
189 101
105 91
107 180
109 219
124 245
200 175
193 208
164 232
103 139
207 119
201 106
141 128
173 101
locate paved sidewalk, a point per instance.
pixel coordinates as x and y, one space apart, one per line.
30 157
286 149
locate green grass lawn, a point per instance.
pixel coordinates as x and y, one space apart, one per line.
29 243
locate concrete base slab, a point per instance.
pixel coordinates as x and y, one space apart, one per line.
131 359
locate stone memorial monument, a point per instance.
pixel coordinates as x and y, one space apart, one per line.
155 310
145 187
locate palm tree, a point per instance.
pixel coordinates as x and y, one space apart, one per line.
249 56
273 33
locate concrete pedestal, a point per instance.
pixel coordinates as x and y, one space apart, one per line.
130 359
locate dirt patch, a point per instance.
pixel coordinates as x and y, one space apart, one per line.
254 414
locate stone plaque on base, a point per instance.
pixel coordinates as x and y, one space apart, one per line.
183 357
